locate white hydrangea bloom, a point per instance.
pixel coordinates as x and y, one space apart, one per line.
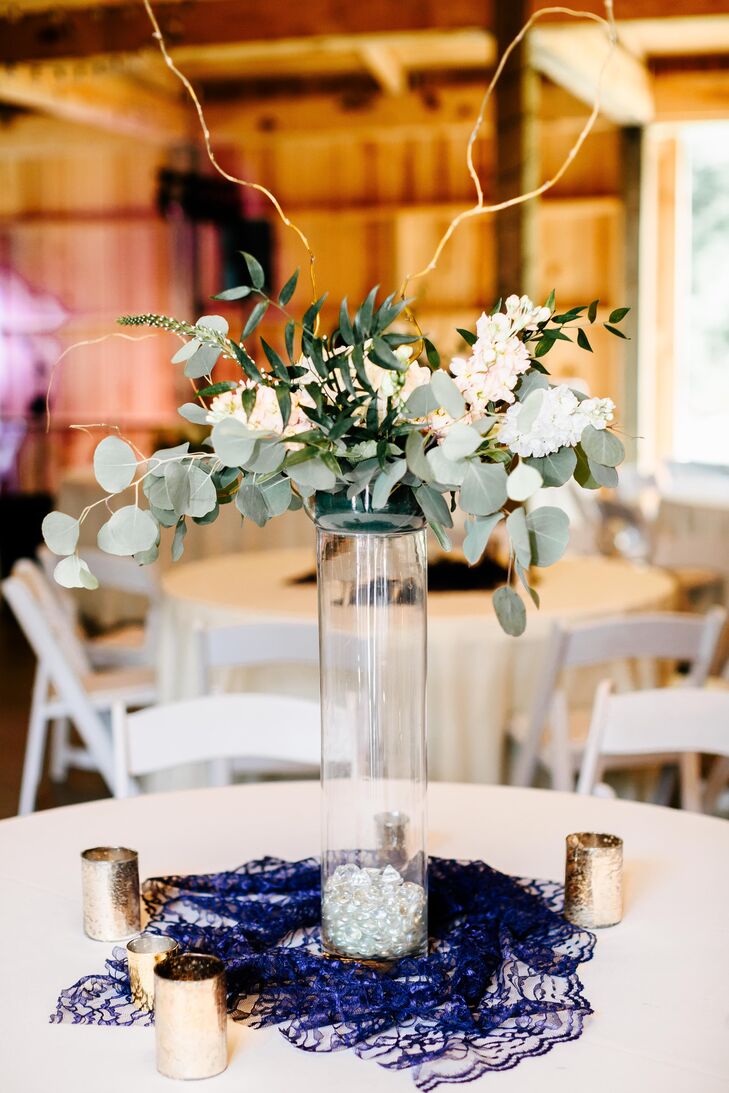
550 418
498 358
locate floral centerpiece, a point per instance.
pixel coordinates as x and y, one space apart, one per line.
363 426
360 419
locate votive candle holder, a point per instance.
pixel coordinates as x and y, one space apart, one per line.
593 889
110 885
190 1017
143 954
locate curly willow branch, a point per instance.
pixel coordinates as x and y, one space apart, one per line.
209 149
480 209
79 345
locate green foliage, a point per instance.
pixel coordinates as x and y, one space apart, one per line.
368 431
478 532
115 464
510 611
548 535
60 533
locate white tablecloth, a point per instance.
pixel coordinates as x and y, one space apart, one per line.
478 677
657 982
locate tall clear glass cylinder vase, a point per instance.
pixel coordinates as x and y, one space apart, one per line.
372 582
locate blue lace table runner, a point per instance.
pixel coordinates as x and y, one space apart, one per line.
499 983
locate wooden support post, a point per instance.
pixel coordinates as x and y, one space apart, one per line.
632 142
517 160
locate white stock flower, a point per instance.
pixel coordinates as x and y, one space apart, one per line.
498 358
266 414
550 418
440 422
524 314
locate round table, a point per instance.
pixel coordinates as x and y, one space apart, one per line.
478 678
657 981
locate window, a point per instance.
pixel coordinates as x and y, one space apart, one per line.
701 407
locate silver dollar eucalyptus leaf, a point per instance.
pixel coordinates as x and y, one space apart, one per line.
312 475
602 446
478 532
60 532
510 611
448 395
516 526
73 572
484 488
192 411
115 464
460 440
446 472
251 503
386 483
548 535
233 442
129 531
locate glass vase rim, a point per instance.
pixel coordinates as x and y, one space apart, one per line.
338 514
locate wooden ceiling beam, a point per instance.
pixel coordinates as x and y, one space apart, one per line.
37 30
384 66
573 58
700 95
116 104
448 109
124 28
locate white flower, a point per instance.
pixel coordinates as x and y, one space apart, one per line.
497 360
524 314
265 415
550 418
440 422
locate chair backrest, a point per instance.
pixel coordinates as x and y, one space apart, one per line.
61 624
663 635
667 722
57 665
249 644
231 726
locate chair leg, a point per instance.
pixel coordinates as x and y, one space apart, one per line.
35 745
60 737
715 783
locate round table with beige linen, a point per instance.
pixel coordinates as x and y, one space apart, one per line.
478 678
657 982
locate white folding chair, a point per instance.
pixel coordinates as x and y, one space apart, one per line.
66 688
668 722
126 646
248 645
284 732
669 636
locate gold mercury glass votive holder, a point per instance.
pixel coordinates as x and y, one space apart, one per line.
593 887
110 884
190 1019
143 954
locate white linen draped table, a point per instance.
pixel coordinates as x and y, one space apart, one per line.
657 982
478 678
